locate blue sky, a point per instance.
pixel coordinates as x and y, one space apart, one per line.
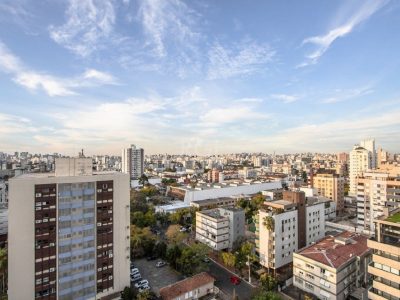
199 77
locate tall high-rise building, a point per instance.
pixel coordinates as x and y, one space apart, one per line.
330 186
360 161
385 267
69 234
375 191
133 161
369 144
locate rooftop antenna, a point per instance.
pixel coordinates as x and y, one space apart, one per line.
81 154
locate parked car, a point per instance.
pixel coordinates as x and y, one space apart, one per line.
142 283
206 259
134 271
160 264
235 280
144 288
136 278
183 229
151 257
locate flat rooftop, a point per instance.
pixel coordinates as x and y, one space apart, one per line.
394 218
213 213
52 174
335 251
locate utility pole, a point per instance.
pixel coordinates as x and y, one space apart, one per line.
248 262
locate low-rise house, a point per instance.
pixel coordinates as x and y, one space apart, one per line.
333 267
195 287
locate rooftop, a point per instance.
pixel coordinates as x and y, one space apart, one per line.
177 289
335 251
394 218
213 213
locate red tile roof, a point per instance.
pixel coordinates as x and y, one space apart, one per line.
189 284
334 252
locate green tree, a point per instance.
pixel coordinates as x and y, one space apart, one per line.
269 223
128 294
173 254
264 295
3 268
228 258
268 282
143 179
145 295
160 249
141 238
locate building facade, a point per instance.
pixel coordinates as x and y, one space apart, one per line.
332 187
375 191
360 161
333 267
133 161
385 266
69 233
284 226
220 228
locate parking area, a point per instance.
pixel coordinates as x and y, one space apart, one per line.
157 277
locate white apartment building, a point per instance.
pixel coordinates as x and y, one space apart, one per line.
295 224
360 161
375 191
69 234
333 267
369 144
133 161
276 246
221 227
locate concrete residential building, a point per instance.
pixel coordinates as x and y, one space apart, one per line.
360 161
375 191
195 287
369 144
333 267
69 233
133 161
220 228
284 226
332 187
385 266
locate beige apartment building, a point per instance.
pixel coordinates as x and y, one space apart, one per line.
333 267
385 266
330 186
360 161
375 191
69 234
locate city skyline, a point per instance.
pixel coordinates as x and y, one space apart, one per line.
198 77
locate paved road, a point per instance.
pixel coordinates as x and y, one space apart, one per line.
243 290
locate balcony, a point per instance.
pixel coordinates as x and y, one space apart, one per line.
372 269
374 294
392 288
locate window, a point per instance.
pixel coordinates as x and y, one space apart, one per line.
309 286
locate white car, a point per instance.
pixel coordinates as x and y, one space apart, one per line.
144 288
134 271
160 264
142 283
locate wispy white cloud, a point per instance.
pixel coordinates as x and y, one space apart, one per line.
344 95
245 58
221 116
323 42
167 21
285 98
89 24
52 85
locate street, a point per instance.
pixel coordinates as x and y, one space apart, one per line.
243 290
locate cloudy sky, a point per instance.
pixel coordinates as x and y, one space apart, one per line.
201 77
